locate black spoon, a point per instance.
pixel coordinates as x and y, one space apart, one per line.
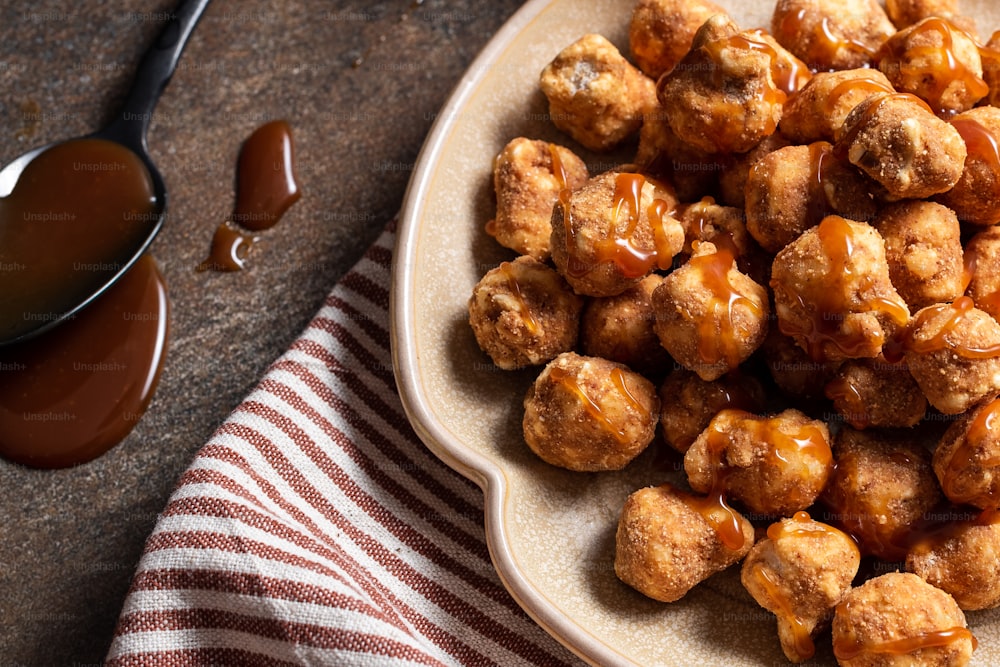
128 129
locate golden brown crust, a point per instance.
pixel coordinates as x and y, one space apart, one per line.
688 403
589 414
938 357
620 328
961 560
875 393
983 252
923 246
708 315
774 466
595 95
528 176
831 34
605 245
967 459
818 111
794 188
975 198
722 97
799 572
881 489
661 31
937 62
524 314
899 607
664 547
897 141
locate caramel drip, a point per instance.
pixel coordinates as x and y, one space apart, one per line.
730 111
569 381
854 411
957 311
522 305
558 168
846 650
825 303
621 249
698 226
789 74
947 68
869 84
820 155
980 142
714 508
825 42
804 646
969 262
982 428
718 338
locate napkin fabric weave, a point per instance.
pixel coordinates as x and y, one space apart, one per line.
314 528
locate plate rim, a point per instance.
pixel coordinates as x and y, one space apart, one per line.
405 362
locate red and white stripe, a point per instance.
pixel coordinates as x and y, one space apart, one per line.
316 529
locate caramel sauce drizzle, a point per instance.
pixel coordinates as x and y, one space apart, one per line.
855 412
825 303
866 83
621 249
948 67
571 382
713 345
558 168
826 43
981 143
789 74
530 323
846 650
801 525
957 311
985 425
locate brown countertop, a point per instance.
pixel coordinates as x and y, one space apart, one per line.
360 84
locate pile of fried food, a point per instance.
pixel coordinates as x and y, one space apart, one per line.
795 286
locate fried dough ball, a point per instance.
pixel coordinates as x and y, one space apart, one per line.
665 544
924 248
832 291
722 97
688 403
660 153
800 377
528 176
708 315
589 414
819 110
937 62
620 328
523 313
618 229
982 252
723 226
774 465
883 484
661 31
953 352
899 619
794 188
799 572
899 142
904 13
831 34
735 171
961 559
976 196
594 94
875 393
967 459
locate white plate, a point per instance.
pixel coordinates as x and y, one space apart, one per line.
550 531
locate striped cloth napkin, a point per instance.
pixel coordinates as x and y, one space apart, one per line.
314 528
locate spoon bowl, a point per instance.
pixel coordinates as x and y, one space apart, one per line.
46 288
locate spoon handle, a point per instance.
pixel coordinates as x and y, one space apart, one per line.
154 72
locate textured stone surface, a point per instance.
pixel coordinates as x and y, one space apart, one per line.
360 84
